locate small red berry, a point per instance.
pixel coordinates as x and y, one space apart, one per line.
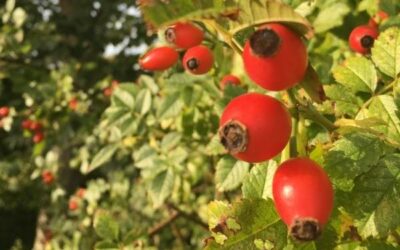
275 57
73 204
303 197
4 111
108 91
229 79
198 60
255 127
47 177
73 104
26 124
38 137
80 192
379 17
35 126
362 38
184 35
160 58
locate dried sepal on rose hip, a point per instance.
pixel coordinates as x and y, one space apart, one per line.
159 58
303 197
184 35
362 38
254 127
198 60
275 57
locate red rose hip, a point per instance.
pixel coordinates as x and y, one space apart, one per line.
275 57
38 137
303 196
229 79
379 17
47 177
160 58
362 38
184 35
4 111
198 60
255 127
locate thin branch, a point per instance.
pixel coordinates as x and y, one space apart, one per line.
161 225
192 216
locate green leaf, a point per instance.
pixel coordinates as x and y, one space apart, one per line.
161 187
161 13
313 86
170 141
143 101
331 16
106 245
374 201
386 52
103 156
357 73
257 220
123 98
105 226
230 173
259 12
345 101
145 157
351 156
258 184
170 107
385 108
149 82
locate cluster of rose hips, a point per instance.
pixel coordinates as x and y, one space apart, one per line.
362 37
256 127
74 201
36 128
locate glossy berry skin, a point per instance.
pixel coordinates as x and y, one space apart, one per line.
267 124
229 79
160 58
362 38
198 60
280 67
302 190
38 137
184 35
379 17
47 177
4 111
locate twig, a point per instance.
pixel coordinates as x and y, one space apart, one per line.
192 217
160 226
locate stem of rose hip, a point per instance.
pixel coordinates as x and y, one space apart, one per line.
226 36
309 112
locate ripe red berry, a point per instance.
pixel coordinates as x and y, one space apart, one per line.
35 126
4 111
38 137
303 196
275 57
184 35
26 124
229 79
73 104
160 58
255 127
108 92
80 192
73 204
198 60
362 38
47 177
379 17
